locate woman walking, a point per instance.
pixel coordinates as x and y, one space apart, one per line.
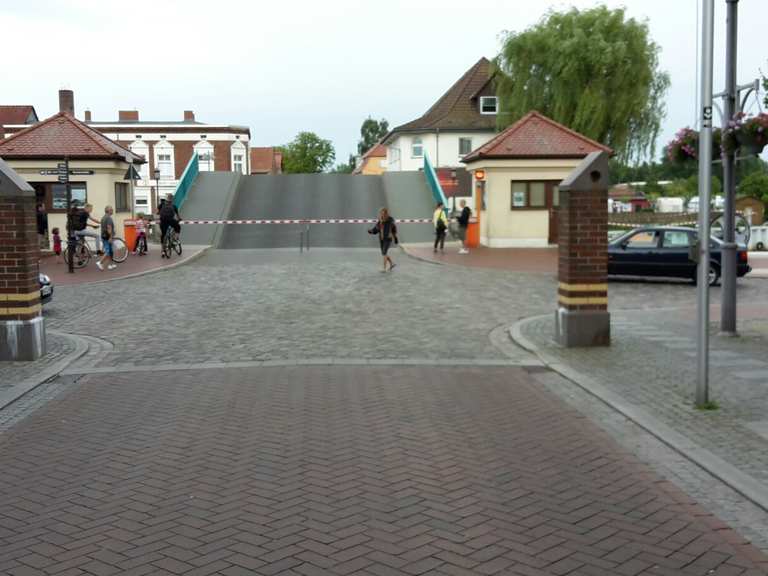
386 228
441 226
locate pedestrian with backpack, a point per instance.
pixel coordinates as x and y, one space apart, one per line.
441 226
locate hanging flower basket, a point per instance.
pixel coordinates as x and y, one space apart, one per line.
685 146
746 134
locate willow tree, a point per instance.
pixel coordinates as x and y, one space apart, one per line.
595 71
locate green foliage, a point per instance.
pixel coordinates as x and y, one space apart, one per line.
371 132
709 405
307 154
689 187
347 168
594 71
755 185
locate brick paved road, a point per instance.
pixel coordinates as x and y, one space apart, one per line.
340 470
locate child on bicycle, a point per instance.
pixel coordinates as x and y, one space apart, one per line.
141 235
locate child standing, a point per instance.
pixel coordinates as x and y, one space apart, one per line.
56 244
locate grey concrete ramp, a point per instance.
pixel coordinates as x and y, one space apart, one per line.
408 196
311 196
290 196
211 198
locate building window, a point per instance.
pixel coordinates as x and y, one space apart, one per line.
122 197
488 104
203 136
417 148
165 165
138 136
142 149
59 195
237 157
204 152
465 146
533 195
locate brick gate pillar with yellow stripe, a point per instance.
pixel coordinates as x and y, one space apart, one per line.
22 329
582 317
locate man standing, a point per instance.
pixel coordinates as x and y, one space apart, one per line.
82 217
42 225
463 220
107 234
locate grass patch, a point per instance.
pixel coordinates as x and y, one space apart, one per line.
709 405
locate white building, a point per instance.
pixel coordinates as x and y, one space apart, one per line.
461 121
169 145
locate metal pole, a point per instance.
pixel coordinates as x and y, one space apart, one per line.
307 237
70 224
301 241
705 186
728 272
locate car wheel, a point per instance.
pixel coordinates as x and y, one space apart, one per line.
760 246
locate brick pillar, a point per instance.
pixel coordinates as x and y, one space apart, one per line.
582 317
22 331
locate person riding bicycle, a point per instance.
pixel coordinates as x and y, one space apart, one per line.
81 219
169 218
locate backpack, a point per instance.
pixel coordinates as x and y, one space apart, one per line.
167 212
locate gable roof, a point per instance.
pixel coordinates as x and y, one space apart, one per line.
536 136
458 108
17 114
376 150
63 135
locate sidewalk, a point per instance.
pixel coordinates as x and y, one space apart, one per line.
534 260
649 374
133 266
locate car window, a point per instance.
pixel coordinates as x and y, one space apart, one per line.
676 239
644 239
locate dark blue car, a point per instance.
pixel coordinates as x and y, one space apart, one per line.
665 252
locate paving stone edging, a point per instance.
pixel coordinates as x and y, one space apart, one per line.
742 483
47 373
181 262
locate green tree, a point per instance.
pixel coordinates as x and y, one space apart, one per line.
307 154
594 70
371 132
347 168
755 185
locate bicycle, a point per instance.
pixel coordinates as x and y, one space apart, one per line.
172 243
83 253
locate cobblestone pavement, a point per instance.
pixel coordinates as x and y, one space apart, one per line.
341 470
274 304
12 373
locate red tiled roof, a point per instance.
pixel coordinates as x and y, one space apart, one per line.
63 135
536 136
378 150
459 108
17 114
266 160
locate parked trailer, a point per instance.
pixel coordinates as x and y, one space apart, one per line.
670 204
758 239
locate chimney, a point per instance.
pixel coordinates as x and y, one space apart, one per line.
2 132
67 101
189 116
128 115
87 116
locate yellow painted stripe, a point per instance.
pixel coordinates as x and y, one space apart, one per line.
582 300
19 297
583 287
21 310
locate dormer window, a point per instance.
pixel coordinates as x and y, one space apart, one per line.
488 105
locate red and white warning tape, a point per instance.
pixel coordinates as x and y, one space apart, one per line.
310 221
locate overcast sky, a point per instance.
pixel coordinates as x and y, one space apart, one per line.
319 65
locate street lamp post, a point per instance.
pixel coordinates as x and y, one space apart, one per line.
705 186
156 174
728 272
